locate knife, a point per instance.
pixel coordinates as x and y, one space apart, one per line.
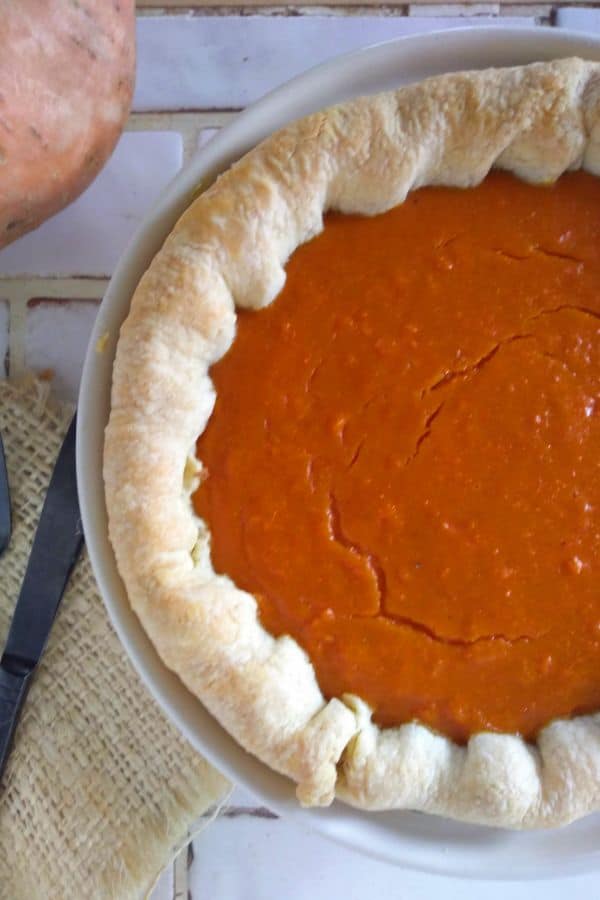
55 549
5 525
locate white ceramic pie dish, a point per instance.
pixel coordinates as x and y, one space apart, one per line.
409 839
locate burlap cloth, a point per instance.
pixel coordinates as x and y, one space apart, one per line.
100 790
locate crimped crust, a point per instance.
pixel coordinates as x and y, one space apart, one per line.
227 250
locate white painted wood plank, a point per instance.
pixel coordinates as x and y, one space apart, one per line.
56 338
164 888
454 9
306 7
535 10
88 237
180 874
586 20
227 62
245 857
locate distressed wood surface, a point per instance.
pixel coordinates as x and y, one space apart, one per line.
198 62
291 9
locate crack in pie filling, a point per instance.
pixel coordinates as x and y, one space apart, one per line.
352 465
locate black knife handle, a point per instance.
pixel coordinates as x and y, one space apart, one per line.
5 521
13 689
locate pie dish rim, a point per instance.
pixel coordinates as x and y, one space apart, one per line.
103 562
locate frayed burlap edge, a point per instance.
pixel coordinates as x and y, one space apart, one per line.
101 791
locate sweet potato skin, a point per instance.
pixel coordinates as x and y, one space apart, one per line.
66 78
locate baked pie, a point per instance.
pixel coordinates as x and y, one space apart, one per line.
355 501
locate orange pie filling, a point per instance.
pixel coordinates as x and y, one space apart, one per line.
403 462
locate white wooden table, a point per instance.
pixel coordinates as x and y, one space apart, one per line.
195 69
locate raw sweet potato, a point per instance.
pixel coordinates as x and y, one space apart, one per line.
66 79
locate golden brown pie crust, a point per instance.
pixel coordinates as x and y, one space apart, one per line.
227 250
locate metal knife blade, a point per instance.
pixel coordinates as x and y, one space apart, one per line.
55 549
